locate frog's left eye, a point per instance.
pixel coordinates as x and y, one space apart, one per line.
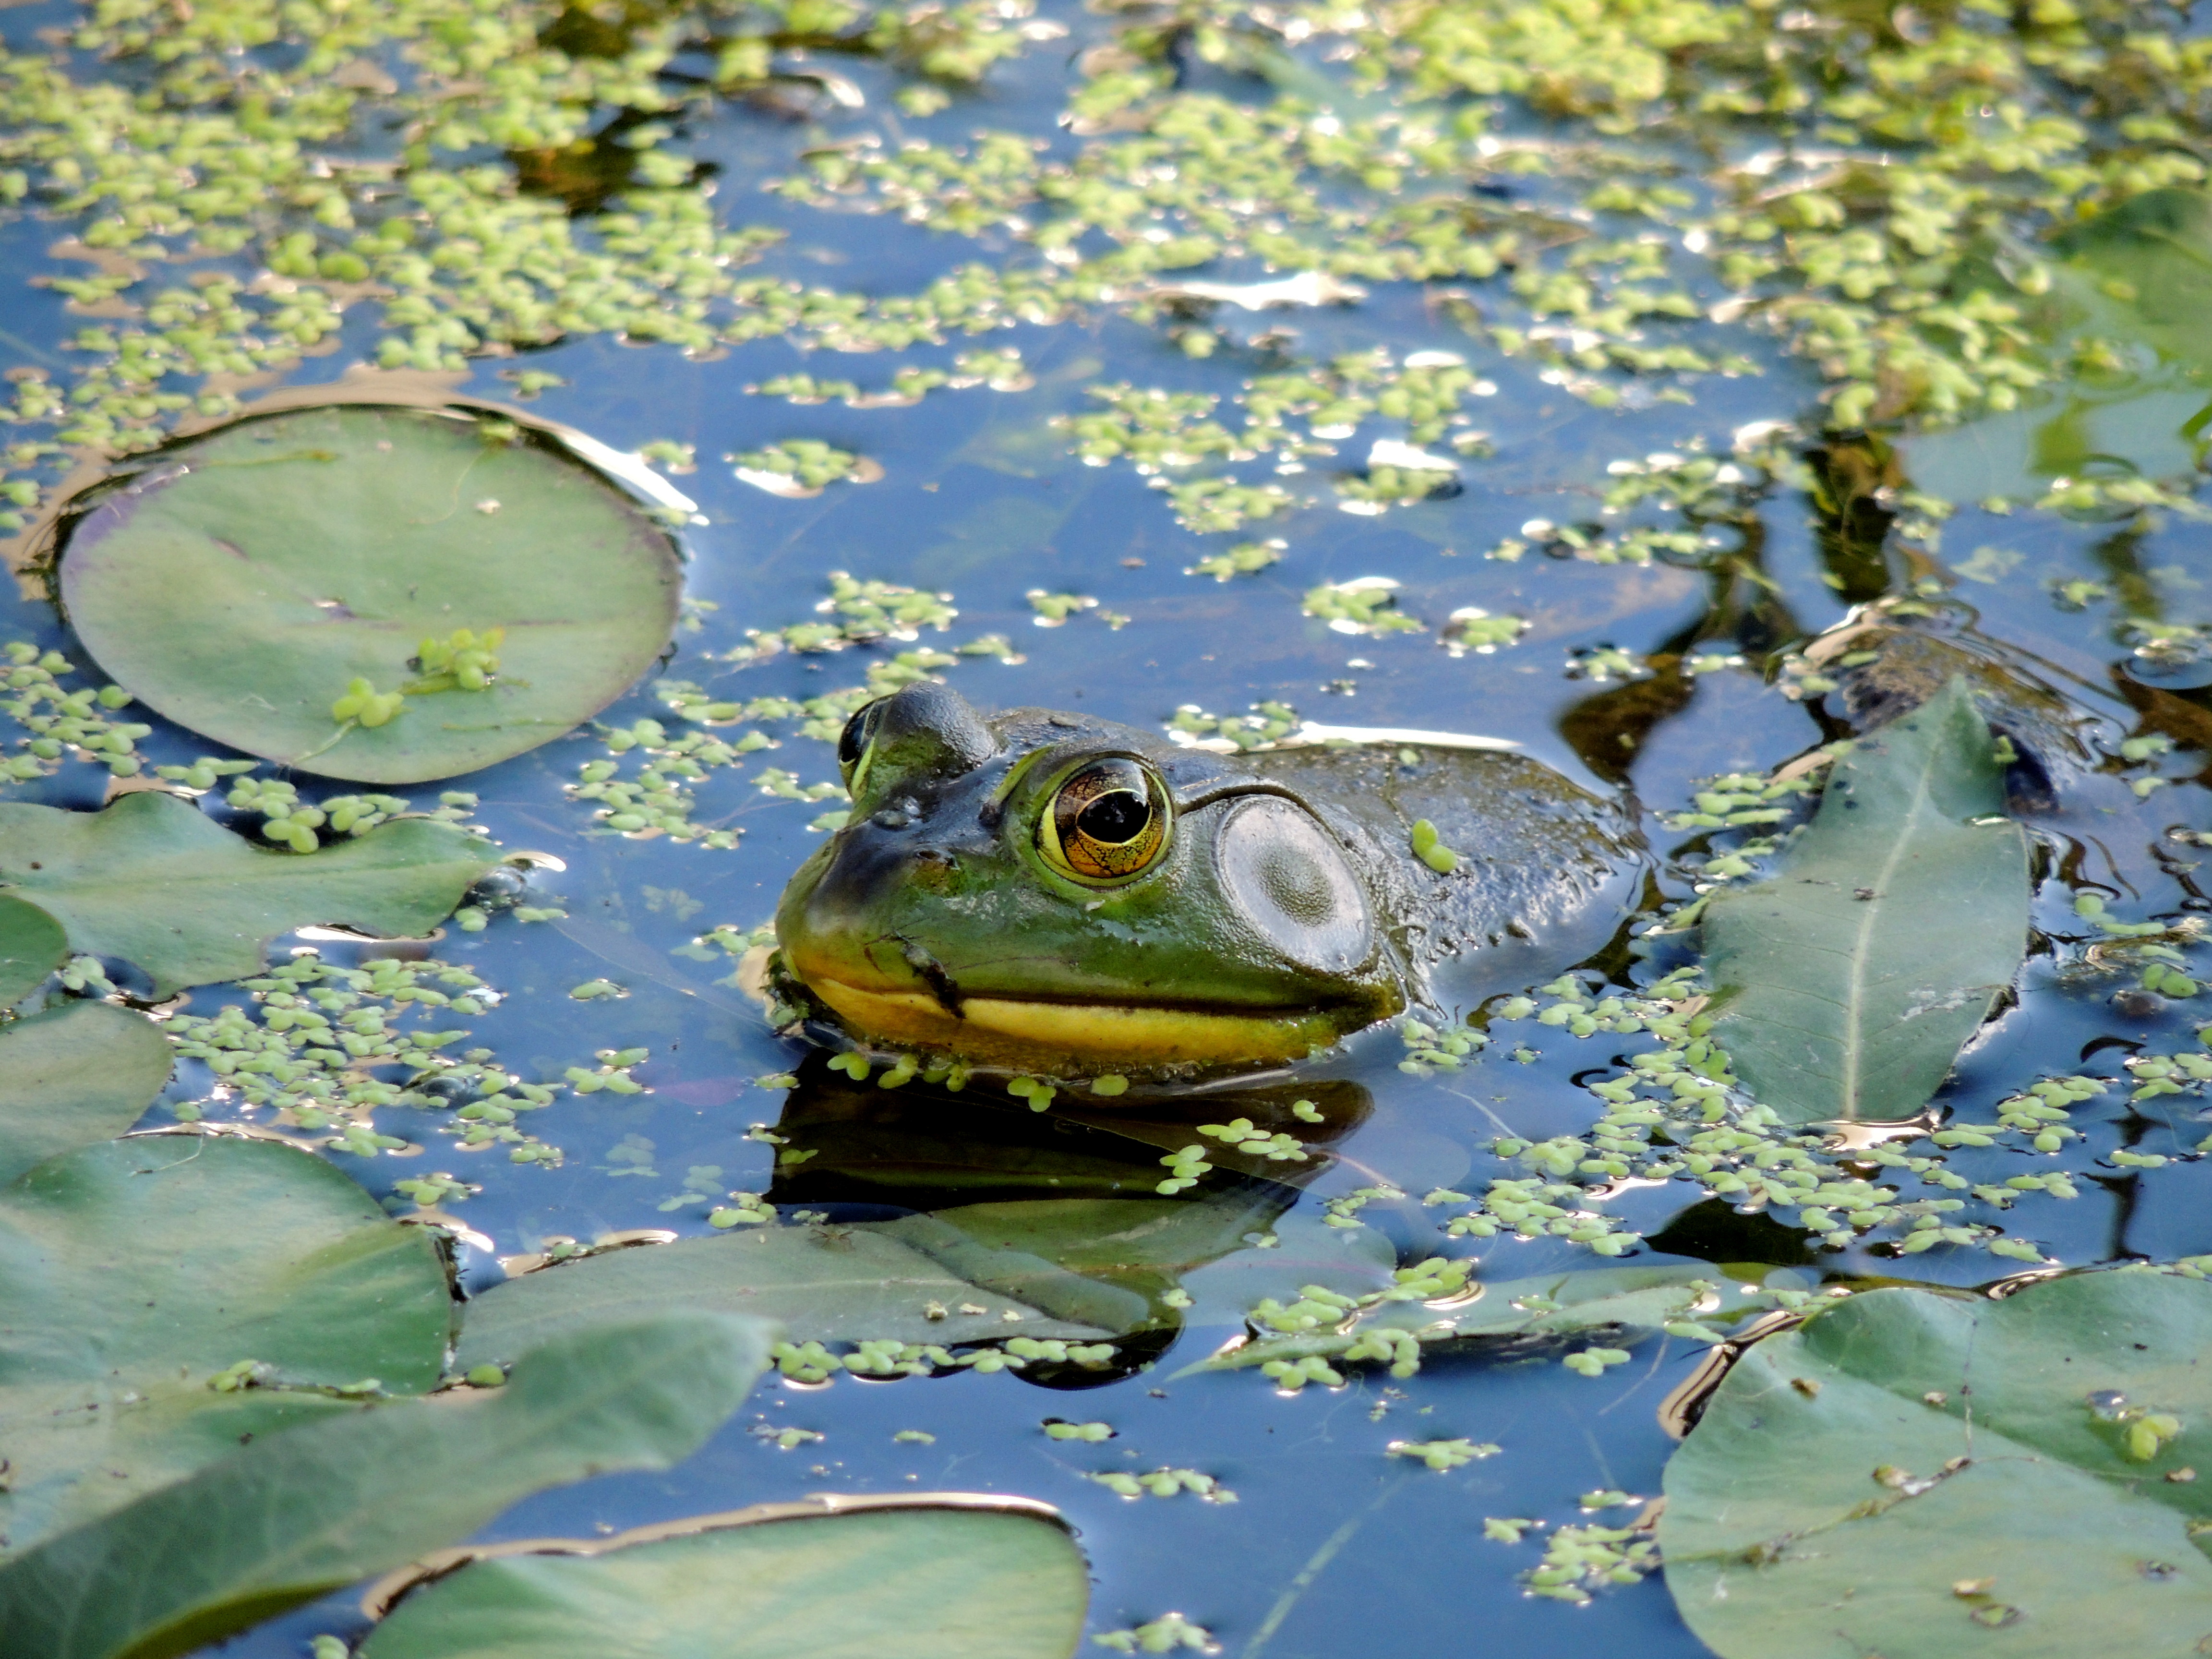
1107 821
853 742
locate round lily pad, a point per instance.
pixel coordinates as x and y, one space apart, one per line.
942 1581
32 946
1942 1476
247 585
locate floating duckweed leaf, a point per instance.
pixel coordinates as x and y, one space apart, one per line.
155 882
1853 974
924 1580
243 590
858 1284
1836 1469
295 1516
138 1270
32 946
73 1075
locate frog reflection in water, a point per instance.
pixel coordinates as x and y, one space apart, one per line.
1053 892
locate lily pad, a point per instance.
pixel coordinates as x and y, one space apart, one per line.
32 946
139 1269
1928 1476
155 882
1107 1259
853 1283
241 587
922 1580
72 1075
2138 275
296 1515
1852 977
2149 260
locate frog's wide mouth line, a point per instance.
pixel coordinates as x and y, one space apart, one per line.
1012 1027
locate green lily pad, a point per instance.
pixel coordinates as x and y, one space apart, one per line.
296 1515
919 1580
240 587
72 1075
155 882
1837 1499
32 946
2149 260
1105 1259
1851 977
136 1270
851 1285
2139 275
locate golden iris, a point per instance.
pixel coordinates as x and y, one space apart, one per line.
1107 821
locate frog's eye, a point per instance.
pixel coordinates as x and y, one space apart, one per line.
1106 822
853 741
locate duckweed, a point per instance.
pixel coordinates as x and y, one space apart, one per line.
1442 1455
1165 1483
1165 1634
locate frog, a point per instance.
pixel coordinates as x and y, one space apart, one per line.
1060 895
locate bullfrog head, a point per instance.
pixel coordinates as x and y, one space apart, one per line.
1049 892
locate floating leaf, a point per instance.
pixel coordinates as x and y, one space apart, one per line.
241 590
138 1269
918 1578
81 1072
155 882
32 946
1852 976
853 1285
1550 1305
1836 1500
2149 260
2138 275
1106 1260
296 1515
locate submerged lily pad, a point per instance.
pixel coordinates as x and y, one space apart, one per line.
1943 1476
1851 977
922 1581
153 881
2138 276
1547 1305
138 1270
72 1075
244 585
857 1285
32 946
295 1516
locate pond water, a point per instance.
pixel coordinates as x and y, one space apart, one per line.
1528 216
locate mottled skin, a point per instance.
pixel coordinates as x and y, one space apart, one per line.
1282 910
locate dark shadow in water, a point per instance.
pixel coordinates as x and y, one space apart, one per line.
1060 1210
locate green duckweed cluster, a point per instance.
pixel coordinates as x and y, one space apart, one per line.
1364 604
60 723
324 1048
812 1362
1168 1633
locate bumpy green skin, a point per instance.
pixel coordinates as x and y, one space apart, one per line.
1288 910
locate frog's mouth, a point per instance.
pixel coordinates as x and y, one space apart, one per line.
1016 1030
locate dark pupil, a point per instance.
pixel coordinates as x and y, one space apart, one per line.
1115 819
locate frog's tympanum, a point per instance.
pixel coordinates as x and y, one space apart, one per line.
1056 893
